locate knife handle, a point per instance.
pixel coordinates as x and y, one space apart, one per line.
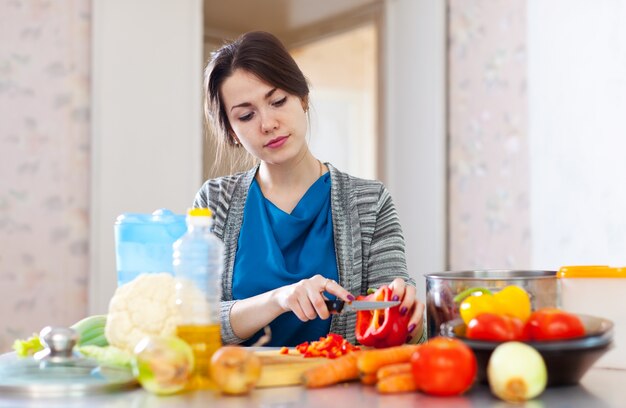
335 306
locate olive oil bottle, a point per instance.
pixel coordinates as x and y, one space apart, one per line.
198 264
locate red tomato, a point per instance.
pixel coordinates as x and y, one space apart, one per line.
493 327
444 366
553 324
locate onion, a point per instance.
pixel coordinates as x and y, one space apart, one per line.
235 370
516 372
163 365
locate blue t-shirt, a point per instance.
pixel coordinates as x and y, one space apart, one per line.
277 249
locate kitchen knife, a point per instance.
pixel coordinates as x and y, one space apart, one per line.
340 306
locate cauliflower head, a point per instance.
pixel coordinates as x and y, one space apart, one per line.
145 306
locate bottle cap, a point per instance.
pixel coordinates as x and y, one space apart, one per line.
199 212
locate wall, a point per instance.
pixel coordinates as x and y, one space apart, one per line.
44 164
69 163
577 96
488 146
147 120
536 122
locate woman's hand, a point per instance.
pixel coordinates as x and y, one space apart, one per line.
305 298
410 304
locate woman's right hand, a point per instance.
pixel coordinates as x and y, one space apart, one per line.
306 298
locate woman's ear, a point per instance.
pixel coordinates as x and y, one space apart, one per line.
233 138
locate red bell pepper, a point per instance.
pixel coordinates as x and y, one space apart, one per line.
384 327
331 346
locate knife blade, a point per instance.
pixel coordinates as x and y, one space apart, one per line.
339 306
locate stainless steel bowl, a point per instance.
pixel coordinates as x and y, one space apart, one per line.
442 287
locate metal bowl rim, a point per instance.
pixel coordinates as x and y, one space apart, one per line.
500 274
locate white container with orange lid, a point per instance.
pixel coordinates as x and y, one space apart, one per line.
598 290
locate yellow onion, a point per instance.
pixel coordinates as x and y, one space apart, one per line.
235 369
516 372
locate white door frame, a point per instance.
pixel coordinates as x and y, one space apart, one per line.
146 120
415 118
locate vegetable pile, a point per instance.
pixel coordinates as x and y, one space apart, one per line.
138 333
507 316
446 366
441 366
511 301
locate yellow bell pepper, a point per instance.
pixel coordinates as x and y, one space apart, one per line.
475 304
512 301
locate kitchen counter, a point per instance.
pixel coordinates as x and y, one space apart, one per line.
599 388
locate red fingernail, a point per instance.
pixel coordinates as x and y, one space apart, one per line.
351 297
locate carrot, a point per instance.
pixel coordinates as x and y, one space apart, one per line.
371 360
402 382
393 369
368 379
340 369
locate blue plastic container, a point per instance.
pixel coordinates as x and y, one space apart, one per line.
143 243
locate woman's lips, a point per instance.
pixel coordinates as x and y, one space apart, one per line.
278 142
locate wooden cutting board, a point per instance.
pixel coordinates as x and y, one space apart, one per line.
284 369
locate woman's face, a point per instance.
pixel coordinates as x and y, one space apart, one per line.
270 123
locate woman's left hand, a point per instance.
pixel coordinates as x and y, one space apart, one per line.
410 304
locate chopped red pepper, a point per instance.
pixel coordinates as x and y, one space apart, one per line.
384 327
284 350
331 346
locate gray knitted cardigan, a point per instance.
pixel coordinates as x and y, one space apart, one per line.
368 238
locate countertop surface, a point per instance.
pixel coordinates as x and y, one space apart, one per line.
598 388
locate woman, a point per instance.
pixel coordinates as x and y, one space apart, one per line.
296 230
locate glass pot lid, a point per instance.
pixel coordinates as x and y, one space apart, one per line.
58 370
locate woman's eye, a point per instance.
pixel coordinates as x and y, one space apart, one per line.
280 102
246 117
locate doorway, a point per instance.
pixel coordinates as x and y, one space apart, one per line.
343 73
339 52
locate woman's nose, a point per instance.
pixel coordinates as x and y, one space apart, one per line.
269 124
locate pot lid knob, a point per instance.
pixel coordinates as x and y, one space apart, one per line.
58 344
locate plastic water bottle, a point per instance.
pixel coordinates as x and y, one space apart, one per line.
143 243
198 258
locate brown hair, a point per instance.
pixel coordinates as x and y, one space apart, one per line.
261 54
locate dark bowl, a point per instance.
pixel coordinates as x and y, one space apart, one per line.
566 360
